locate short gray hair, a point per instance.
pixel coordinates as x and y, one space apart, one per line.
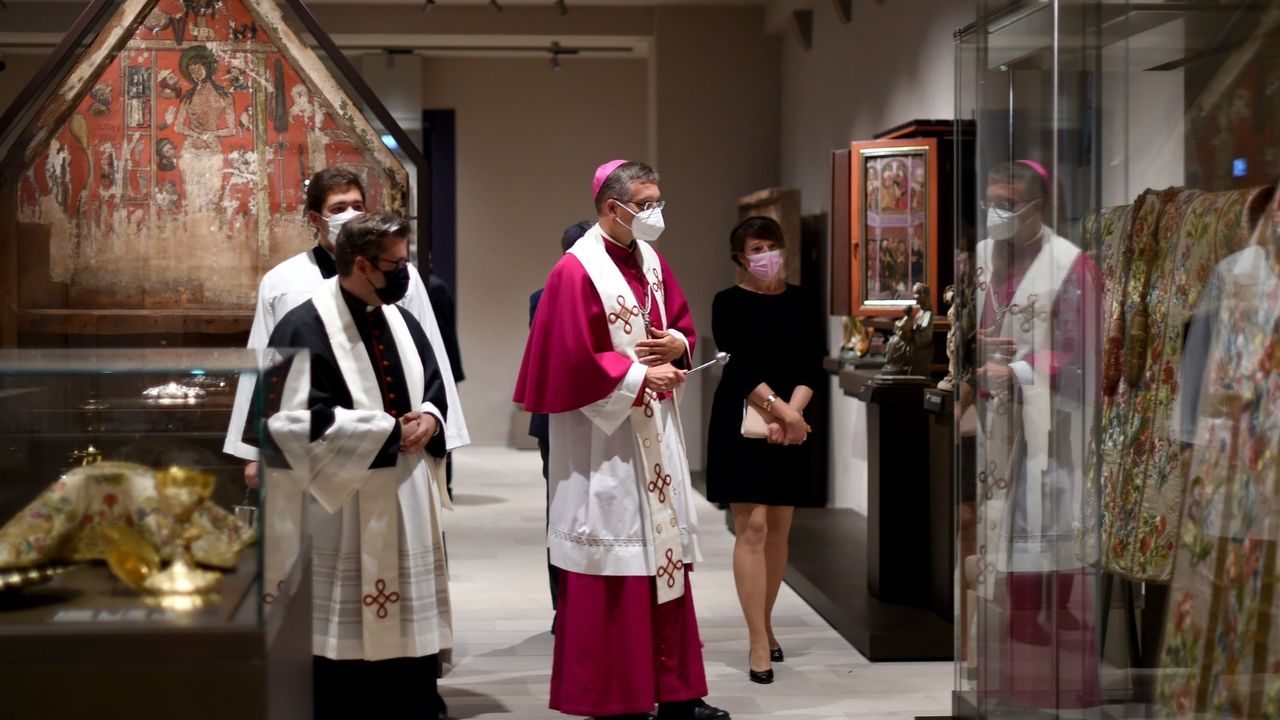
363 236
618 184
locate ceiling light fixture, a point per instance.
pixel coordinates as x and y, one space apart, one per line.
556 50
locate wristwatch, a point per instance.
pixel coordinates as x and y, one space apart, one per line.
768 402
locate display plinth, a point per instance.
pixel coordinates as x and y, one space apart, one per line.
939 406
84 646
897 485
828 569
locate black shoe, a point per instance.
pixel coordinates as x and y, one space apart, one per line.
775 654
690 710
761 677
444 709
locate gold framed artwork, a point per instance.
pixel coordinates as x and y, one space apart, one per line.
893 218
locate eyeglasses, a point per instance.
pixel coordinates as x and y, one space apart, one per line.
654 205
396 264
1005 205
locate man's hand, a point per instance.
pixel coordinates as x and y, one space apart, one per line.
251 474
416 431
662 347
664 378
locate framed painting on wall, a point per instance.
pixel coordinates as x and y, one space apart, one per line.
893 218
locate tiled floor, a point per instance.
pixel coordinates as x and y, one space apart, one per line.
502 613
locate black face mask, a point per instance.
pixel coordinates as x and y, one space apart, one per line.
396 287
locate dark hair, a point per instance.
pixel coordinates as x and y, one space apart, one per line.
328 181
574 233
618 184
364 236
756 226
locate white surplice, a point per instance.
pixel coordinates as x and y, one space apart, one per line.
601 520
380 581
293 282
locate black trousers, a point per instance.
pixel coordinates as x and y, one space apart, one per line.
404 688
553 572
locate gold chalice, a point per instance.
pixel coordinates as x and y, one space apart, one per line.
180 492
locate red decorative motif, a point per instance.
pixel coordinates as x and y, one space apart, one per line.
669 570
646 399
660 483
658 286
624 315
381 599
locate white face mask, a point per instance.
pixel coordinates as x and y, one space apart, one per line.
1004 224
337 221
1001 224
647 225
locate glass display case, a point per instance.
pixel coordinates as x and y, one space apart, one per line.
1117 520
129 547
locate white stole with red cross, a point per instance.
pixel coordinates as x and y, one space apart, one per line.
381 589
627 326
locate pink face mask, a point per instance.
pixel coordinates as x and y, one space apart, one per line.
765 265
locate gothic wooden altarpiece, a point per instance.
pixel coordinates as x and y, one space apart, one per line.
156 183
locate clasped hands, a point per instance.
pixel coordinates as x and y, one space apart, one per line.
657 352
416 430
788 428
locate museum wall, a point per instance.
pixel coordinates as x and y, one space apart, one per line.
717 119
528 139
893 63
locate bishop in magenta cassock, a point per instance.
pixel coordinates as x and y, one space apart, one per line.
604 357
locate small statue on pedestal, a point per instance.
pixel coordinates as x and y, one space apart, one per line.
961 314
949 297
911 347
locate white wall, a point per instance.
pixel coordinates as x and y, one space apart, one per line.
1143 115
895 62
528 140
716 89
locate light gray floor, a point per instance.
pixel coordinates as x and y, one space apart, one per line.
502 613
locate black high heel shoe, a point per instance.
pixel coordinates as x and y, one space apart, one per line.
775 655
761 677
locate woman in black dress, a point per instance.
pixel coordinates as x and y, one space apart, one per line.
776 338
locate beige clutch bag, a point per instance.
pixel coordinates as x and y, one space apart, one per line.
755 422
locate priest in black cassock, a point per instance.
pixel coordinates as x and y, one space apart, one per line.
353 427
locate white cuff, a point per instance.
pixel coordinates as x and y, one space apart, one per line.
430 409
688 351
242 450
1024 372
609 413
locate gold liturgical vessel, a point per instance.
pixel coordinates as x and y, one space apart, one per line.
180 492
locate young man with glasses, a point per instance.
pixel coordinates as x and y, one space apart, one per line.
334 196
604 357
